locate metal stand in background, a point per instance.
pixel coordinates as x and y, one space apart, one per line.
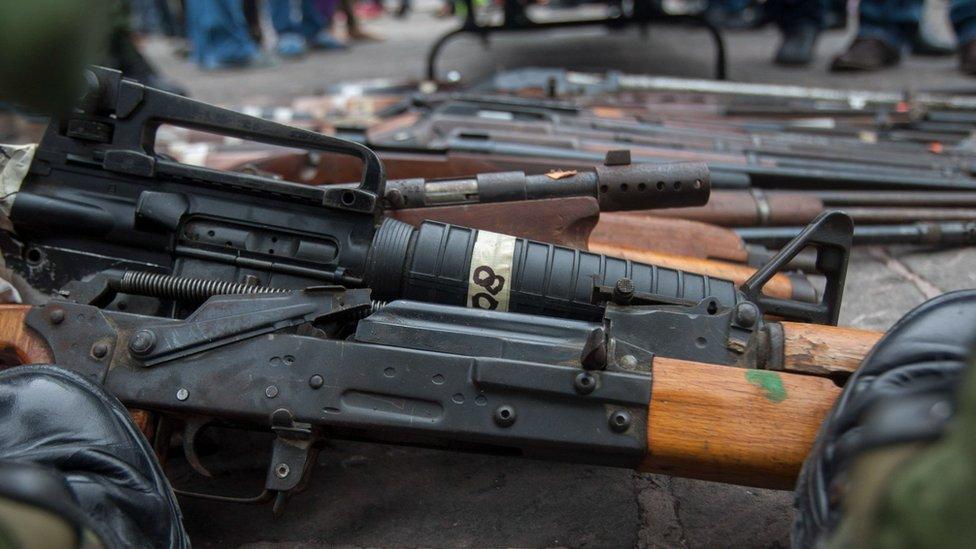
516 20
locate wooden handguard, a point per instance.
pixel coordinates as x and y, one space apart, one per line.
824 350
734 425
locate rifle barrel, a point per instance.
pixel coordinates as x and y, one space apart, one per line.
616 187
940 234
960 199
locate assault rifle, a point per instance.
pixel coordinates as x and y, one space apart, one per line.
575 221
97 198
309 365
197 295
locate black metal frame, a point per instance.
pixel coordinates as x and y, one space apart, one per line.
516 20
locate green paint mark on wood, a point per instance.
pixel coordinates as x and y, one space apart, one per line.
769 382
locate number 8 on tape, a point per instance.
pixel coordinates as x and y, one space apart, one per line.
490 277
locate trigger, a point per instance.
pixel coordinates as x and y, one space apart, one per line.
190 433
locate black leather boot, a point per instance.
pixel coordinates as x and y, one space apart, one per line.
73 463
866 54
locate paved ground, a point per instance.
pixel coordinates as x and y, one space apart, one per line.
373 495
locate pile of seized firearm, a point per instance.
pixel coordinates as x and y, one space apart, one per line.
405 285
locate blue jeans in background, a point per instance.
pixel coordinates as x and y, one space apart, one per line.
306 21
218 33
896 21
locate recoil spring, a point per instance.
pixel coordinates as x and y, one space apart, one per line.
195 290
184 289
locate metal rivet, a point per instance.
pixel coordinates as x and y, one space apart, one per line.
56 316
746 314
620 421
504 416
182 394
99 350
142 342
584 383
282 470
271 391
316 381
628 361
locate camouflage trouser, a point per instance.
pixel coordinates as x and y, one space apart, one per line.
917 494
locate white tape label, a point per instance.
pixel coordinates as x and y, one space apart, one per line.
490 277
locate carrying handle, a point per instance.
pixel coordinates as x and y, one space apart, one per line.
832 234
139 110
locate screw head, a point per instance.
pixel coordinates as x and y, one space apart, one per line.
56 316
182 394
142 342
584 383
746 314
620 421
504 416
99 350
271 391
282 470
316 381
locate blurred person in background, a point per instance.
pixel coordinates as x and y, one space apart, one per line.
888 27
123 54
353 29
220 37
800 23
300 26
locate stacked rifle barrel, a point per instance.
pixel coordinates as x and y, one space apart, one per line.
900 164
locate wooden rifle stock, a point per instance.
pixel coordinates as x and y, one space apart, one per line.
19 344
565 221
747 209
670 236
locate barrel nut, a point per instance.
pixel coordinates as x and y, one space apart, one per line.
142 342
